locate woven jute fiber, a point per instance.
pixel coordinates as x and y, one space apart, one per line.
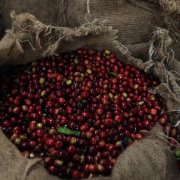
135 20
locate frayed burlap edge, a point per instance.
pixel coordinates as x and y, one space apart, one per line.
171 6
29 33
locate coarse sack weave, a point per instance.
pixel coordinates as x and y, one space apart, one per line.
135 20
29 39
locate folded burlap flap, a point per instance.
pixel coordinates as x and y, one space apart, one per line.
135 19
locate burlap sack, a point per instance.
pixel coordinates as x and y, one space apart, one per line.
45 10
30 39
135 20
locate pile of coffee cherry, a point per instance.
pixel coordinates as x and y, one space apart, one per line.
78 111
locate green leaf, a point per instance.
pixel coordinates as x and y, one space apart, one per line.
67 131
178 153
113 73
130 140
80 104
121 134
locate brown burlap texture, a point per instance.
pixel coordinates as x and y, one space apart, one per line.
135 20
29 39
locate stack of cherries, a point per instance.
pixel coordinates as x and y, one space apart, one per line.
78 111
